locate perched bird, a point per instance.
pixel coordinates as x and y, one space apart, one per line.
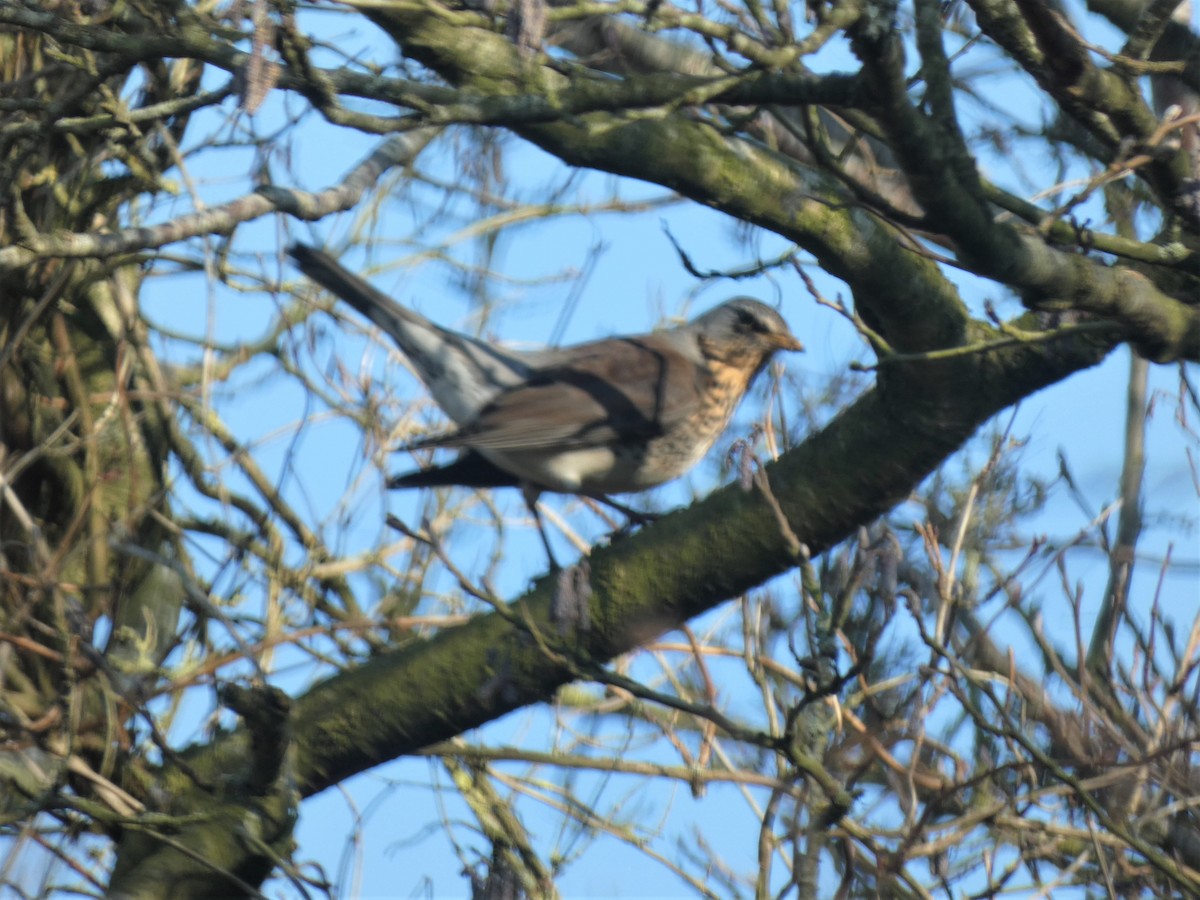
605 417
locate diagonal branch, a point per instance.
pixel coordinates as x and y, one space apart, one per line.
396 151
1162 327
466 676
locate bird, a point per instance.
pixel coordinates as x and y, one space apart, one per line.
618 415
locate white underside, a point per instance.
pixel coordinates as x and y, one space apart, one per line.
591 470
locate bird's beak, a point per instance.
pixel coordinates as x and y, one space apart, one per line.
788 342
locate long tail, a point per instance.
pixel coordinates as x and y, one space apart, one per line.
371 302
462 372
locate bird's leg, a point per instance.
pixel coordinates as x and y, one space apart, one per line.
569 604
531 494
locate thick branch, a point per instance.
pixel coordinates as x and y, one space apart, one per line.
1162 327
905 292
719 548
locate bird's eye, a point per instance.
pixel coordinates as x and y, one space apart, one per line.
747 321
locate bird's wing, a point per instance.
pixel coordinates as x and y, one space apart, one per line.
612 390
469 470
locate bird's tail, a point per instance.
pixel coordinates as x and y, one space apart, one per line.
377 306
463 373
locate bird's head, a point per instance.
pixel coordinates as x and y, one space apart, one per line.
743 332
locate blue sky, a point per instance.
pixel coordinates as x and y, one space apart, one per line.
634 280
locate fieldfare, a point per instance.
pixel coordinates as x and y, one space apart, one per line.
605 417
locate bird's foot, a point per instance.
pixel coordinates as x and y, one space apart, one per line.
634 518
569 607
